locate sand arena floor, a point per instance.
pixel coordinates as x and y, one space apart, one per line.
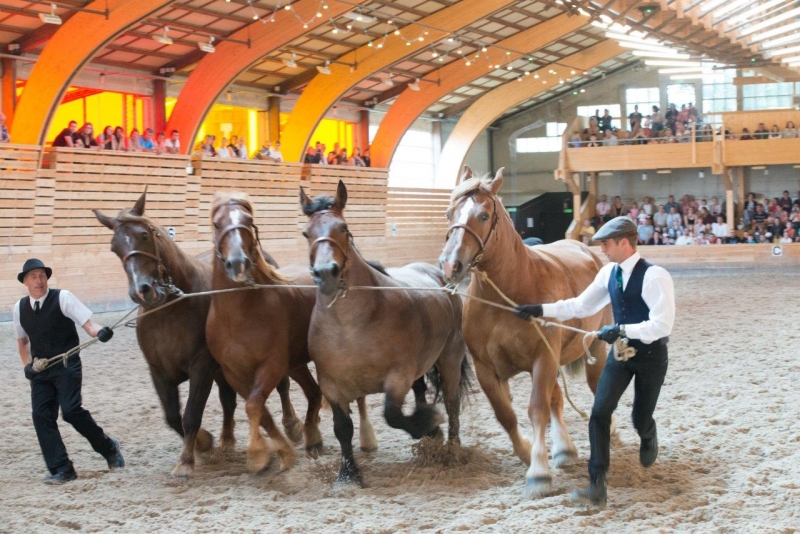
728 428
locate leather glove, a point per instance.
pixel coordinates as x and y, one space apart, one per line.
105 334
29 372
609 333
529 310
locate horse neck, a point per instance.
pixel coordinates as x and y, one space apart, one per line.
185 272
505 260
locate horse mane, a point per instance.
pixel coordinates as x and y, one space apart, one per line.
320 203
470 187
242 199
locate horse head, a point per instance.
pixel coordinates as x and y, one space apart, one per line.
328 237
235 234
473 215
135 242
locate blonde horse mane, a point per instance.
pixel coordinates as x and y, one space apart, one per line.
241 199
477 184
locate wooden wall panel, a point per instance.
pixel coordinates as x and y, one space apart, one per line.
18 164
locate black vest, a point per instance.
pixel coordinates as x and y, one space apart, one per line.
50 331
629 307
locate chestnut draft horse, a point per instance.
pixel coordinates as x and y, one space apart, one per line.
482 236
378 341
173 342
259 335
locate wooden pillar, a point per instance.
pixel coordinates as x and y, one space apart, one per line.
727 179
9 89
274 118
573 181
160 105
363 130
741 192
592 200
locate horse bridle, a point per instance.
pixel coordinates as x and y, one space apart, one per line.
251 228
162 269
331 241
481 242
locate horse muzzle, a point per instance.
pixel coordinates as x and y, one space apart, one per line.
147 294
238 269
327 277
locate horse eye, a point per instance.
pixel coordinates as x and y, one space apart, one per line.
344 228
144 236
484 217
216 226
305 234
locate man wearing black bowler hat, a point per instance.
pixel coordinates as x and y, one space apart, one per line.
44 323
643 301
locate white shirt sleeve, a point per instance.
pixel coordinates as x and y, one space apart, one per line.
659 295
591 301
18 330
73 308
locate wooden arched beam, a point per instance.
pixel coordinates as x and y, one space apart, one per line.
324 90
411 104
67 52
490 106
216 71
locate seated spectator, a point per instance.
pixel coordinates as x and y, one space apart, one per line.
671 117
790 132
747 238
686 203
605 121
771 205
65 137
120 141
5 135
657 119
647 205
263 152
759 216
774 132
223 151
173 144
333 155
690 218
84 138
106 139
134 143
645 231
706 133
774 226
367 159
785 202
233 147
729 136
789 231
609 138
714 240
241 148
700 239
705 217
593 128
633 212
661 217
603 208
681 134
148 145
321 151
720 228
694 115
761 132
586 233
685 238
342 158
635 118
275 153
668 136
356 159
312 156
746 135
657 239
593 141
206 147
575 140
683 116
672 203
715 208
161 143
617 207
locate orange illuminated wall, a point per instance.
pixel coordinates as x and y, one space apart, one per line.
331 131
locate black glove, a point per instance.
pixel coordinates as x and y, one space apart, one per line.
29 372
529 310
105 334
609 333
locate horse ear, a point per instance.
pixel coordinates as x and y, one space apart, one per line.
340 201
497 183
109 222
304 199
138 208
466 174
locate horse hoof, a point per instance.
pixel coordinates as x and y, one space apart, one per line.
288 459
314 450
204 441
436 433
344 483
257 460
537 487
294 430
226 444
564 458
367 440
183 470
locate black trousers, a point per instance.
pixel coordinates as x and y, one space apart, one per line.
57 387
647 369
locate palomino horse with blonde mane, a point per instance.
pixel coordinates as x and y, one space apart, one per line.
372 341
482 237
174 342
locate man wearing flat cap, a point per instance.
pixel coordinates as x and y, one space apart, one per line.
44 323
643 301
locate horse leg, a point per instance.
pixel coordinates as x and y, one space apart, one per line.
420 389
544 375
227 398
170 401
313 437
291 423
564 451
423 421
266 380
599 350
496 391
343 428
366 434
200 382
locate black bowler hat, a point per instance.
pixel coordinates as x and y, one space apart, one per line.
32 264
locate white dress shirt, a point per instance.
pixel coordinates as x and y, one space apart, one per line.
657 293
70 306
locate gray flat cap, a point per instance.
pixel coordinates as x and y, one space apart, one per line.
617 227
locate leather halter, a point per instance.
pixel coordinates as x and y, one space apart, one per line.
481 242
251 228
162 270
330 241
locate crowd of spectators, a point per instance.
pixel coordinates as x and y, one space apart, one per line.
674 126
688 222
318 154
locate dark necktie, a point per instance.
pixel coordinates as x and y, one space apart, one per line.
618 275
36 307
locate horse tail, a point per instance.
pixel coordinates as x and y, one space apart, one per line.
465 383
576 368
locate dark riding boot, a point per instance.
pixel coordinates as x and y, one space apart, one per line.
595 494
61 477
115 459
648 451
